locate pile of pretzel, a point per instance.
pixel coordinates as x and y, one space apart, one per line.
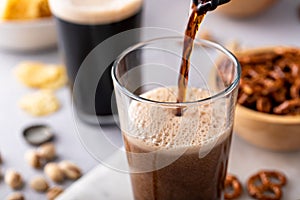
264 185
270 81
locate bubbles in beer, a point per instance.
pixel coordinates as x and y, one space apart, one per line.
200 125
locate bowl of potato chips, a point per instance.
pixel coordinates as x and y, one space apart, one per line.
26 25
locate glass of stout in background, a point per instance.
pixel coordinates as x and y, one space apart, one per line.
81 26
175 157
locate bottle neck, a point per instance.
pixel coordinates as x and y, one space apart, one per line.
208 5
216 3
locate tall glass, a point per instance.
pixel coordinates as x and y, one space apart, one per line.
82 26
176 157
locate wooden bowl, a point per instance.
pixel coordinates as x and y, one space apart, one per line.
273 132
245 8
269 131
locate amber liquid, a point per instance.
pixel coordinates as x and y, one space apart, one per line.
195 19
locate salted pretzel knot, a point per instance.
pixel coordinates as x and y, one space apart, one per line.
233 187
266 185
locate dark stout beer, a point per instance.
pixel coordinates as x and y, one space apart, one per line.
81 26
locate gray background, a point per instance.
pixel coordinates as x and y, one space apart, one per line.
277 26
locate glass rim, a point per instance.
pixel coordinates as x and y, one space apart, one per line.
220 94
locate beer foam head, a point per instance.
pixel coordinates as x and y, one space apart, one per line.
94 11
158 126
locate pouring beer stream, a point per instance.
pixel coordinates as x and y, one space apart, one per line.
199 9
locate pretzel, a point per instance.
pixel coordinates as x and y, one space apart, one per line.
288 107
263 104
233 187
273 178
266 185
295 89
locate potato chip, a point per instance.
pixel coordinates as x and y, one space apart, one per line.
40 103
39 75
25 9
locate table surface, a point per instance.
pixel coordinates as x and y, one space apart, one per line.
279 25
